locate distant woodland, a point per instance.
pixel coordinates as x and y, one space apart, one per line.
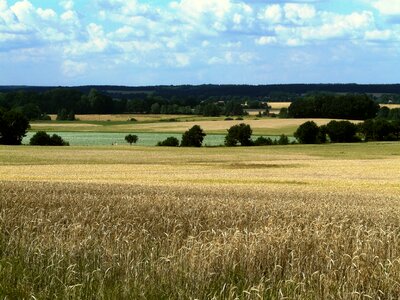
208 100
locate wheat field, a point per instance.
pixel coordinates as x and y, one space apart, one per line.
282 222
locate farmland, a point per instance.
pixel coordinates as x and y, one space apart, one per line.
263 126
297 222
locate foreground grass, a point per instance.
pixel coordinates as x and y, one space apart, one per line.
296 222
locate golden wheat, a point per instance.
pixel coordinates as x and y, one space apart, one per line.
248 223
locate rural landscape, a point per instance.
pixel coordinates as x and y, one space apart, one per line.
207 149
104 218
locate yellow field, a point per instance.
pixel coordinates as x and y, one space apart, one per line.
265 126
278 222
391 106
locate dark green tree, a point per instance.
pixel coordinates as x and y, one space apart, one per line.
193 137
307 133
341 131
283 140
262 141
13 127
131 139
169 142
241 134
41 138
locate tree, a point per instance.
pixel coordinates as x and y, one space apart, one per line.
155 108
131 139
262 141
341 131
283 113
378 130
62 115
169 142
13 127
283 140
240 133
41 138
193 137
307 133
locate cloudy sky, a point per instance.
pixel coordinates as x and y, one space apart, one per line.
138 42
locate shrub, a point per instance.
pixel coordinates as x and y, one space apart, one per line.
240 133
228 119
169 142
262 141
307 133
131 138
193 137
41 138
283 140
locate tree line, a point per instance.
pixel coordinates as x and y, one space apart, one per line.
332 106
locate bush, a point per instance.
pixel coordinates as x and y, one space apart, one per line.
341 131
239 119
63 115
169 142
283 140
240 133
131 138
193 137
41 138
13 127
262 141
307 133
228 119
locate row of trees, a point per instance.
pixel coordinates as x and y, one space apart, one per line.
348 132
389 114
350 106
63 101
239 134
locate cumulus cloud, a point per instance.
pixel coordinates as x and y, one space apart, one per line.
387 7
73 68
184 33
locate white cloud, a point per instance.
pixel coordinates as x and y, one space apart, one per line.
299 13
378 35
272 13
387 7
46 14
266 40
67 4
73 68
3 5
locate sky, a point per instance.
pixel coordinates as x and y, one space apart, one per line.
162 42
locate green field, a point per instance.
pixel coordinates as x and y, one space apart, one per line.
121 222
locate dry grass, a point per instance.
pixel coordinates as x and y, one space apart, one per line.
296 222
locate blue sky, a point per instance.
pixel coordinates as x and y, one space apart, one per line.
134 42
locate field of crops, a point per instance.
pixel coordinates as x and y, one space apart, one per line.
115 138
282 222
263 126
